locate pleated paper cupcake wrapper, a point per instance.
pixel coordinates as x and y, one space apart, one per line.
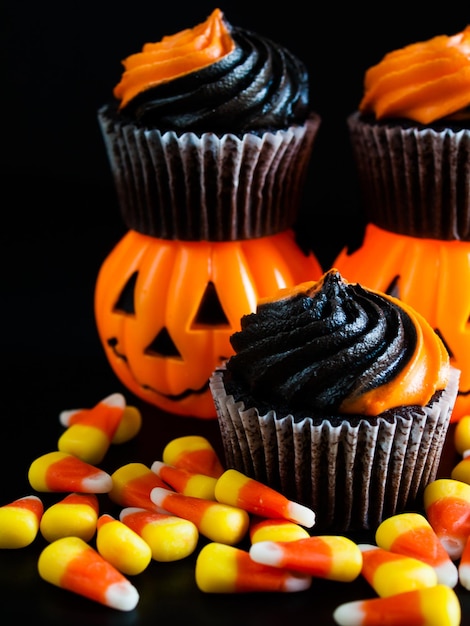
414 181
192 187
352 476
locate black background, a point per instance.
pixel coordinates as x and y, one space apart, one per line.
59 220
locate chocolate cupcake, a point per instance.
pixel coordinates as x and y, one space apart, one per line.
339 397
210 134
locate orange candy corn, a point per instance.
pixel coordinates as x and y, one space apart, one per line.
193 453
227 569
432 606
76 514
389 573
121 546
129 425
410 534
132 484
70 563
331 557
447 507
234 488
186 482
60 471
19 522
89 432
464 566
171 538
217 521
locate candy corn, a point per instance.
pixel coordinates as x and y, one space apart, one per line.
234 488
432 606
462 470
90 432
121 546
464 566
219 522
447 507
389 573
60 471
70 563
410 534
227 569
331 557
132 484
186 482
76 515
19 522
193 453
129 425
169 537
262 529
462 435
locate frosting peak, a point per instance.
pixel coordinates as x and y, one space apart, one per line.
424 81
173 56
331 346
216 78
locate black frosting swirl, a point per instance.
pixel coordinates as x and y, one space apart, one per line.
258 86
316 348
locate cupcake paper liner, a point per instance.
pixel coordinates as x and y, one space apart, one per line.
205 187
353 475
413 180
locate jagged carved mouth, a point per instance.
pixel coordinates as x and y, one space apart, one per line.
113 344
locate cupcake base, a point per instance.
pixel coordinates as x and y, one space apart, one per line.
352 473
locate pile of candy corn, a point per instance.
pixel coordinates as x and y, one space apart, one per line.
413 567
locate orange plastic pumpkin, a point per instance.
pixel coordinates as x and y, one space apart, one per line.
165 309
431 275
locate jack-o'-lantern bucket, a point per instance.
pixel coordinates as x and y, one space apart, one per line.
165 309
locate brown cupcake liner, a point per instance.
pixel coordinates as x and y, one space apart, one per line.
205 187
352 475
413 180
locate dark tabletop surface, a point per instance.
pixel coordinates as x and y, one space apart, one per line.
59 222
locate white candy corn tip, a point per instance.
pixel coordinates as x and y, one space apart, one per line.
349 614
453 546
101 482
447 574
122 596
295 583
464 576
301 514
266 552
156 466
158 495
130 510
65 416
115 400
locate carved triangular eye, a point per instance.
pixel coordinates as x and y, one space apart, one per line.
438 332
163 345
393 288
125 302
210 312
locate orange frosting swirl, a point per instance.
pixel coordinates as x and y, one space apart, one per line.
424 81
175 55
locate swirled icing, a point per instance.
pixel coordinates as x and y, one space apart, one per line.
331 346
214 77
424 81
